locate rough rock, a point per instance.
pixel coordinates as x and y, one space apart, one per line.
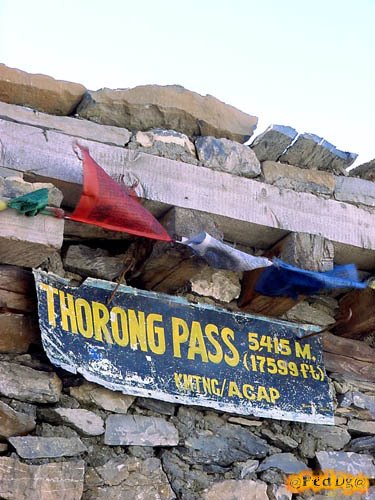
282 441
361 426
93 394
364 171
11 187
312 151
168 107
273 142
218 284
67 125
287 176
353 190
237 490
85 422
279 492
26 384
139 430
14 423
47 447
167 144
353 463
286 462
157 406
248 467
40 92
53 481
328 436
361 444
184 222
306 313
17 332
227 156
245 421
122 478
364 401
95 263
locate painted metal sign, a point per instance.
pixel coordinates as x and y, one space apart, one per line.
159 346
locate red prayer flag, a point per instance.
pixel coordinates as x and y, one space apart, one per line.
106 204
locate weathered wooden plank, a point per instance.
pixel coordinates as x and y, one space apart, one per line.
362 322
16 279
17 332
348 347
28 241
349 366
244 207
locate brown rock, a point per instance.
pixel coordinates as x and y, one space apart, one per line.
26 384
40 92
244 489
167 107
54 481
17 332
89 393
14 423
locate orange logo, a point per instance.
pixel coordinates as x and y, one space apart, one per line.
327 480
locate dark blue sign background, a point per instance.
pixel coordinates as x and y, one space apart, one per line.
199 355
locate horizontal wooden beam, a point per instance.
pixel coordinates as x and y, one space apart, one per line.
247 211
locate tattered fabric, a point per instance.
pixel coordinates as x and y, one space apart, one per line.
282 279
222 256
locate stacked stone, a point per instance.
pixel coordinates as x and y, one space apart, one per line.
62 437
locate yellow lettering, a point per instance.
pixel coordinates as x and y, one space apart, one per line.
157 347
274 394
216 357
180 334
302 352
100 315
50 302
234 390
263 394
196 344
67 312
120 332
84 322
137 330
248 391
235 358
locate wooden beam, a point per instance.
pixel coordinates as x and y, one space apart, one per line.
362 322
348 347
349 366
247 211
302 250
17 290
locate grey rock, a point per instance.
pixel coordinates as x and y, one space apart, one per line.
350 462
157 406
48 430
167 144
312 151
286 462
249 467
26 384
236 490
93 394
221 285
51 481
97 263
11 187
358 400
170 107
353 190
47 447
361 444
279 492
328 436
282 441
126 478
273 142
364 171
361 426
227 156
184 222
247 422
139 430
272 476
14 423
306 313
85 422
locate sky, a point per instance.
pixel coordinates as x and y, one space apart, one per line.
306 64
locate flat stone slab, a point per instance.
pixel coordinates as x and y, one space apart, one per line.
40 92
272 143
167 107
243 489
361 444
312 151
26 384
286 462
140 431
353 463
14 423
53 481
89 393
364 171
84 421
227 156
361 426
47 447
96 263
353 190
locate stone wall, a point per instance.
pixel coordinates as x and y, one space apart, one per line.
65 438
